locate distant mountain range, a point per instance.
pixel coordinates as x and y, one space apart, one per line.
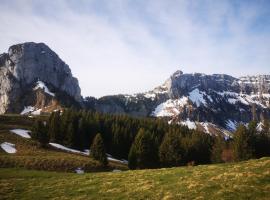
34 79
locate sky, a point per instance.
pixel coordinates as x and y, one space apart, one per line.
131 46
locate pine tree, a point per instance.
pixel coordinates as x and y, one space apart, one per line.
132 158
97 150
143 151
241 149
54 127
170 151
217 150
40 133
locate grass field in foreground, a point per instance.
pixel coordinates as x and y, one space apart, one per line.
244 180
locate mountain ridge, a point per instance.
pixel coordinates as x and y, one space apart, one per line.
195 99
220 99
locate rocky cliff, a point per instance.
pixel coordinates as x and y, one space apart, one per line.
198 100
27 72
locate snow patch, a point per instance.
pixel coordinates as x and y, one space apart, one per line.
30 110
8 147
59 146
196 96
259 126
205 126
189 124
85 152
231 125
150 95
42 85
170 107
21 132
245 99
27 110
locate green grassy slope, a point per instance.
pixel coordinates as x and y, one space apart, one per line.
245 180
30 156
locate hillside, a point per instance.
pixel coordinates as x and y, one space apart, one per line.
30 155
244 180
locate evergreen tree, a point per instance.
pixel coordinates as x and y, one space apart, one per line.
144 153
252 137
132 158
197 147
97 150
54 127
40 133
171 151
241 149
217 150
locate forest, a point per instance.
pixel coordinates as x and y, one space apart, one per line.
149 142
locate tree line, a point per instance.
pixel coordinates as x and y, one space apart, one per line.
148 142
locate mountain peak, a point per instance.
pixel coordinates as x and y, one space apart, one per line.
177 74
27 63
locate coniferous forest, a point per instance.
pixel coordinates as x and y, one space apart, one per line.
147 142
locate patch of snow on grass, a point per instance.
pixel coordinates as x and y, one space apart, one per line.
42 85
27 110
85 152
30 110
59 146
21 132
196 96
8 147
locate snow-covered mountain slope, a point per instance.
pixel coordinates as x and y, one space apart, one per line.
219 102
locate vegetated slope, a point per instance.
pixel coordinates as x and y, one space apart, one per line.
244 180
30 155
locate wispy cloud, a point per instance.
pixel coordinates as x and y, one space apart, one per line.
131 46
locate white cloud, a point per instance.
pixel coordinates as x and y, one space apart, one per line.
121 47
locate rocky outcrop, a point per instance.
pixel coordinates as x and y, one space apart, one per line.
26 64
219 99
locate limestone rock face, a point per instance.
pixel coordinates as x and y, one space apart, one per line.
26 64
197 98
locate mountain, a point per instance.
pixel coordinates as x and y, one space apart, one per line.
34 79
213 103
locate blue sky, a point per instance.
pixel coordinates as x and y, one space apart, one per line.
122 46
